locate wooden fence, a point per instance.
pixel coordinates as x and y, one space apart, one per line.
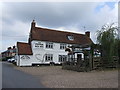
99 62
83 65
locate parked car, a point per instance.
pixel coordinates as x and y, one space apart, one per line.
11 60
8 60
14 62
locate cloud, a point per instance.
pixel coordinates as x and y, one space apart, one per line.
68 16
17 31
60 1
51 14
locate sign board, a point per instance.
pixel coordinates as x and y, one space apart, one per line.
25 57
38 45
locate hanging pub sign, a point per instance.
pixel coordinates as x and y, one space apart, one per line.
78 49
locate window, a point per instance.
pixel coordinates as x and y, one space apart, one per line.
71 38
62 46
36 46
49 45
49 57
62 58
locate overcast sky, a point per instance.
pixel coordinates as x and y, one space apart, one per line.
66 16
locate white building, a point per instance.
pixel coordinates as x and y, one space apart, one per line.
47 46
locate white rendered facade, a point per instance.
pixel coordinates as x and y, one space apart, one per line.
43 54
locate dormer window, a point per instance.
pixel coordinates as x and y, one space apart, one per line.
70 38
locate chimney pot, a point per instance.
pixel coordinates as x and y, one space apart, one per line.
33 24
87 33
13 47
9 48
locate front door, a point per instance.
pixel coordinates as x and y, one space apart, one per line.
79 58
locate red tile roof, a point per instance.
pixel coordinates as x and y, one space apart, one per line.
43 34
24 48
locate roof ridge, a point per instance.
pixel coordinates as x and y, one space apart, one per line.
60 31
22 42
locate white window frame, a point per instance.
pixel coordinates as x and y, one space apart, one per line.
63 46
49 45
62 58
48 57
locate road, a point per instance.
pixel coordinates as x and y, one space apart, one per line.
12 78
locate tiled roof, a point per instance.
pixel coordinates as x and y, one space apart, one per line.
43 34
24 48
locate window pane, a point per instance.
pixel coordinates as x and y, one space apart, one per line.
49 57
62 58
49 45
62 46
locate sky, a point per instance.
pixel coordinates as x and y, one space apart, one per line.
78 17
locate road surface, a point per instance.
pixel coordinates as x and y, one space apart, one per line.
12 78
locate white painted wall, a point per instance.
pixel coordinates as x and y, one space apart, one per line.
17 59
38 56
25 61
39 53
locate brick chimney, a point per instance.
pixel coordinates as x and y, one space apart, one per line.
9 48
87 33
13 47
33 24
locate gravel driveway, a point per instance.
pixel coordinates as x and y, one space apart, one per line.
56 77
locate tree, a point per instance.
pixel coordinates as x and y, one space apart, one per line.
107 37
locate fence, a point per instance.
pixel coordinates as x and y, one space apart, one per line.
100 62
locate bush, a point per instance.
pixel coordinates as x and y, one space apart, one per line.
6 58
